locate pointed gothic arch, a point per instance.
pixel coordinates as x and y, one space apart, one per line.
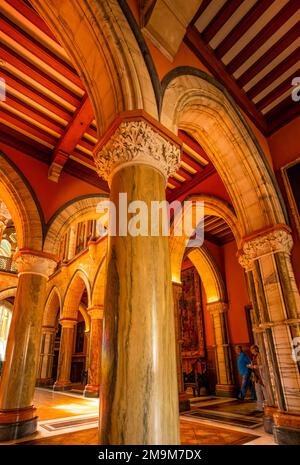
97 37
196 103
17 195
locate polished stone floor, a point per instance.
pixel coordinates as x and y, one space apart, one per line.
66 418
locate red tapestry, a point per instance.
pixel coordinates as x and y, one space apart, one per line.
192 327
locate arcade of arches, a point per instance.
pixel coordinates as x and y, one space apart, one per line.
99 102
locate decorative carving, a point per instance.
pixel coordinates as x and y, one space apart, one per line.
217 307
137 142
96 312
246 262
276 241
34 264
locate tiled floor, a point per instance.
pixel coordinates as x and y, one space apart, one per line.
66 418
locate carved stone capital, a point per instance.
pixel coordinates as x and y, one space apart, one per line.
278 240
31 263
217 307
137 142
246 262
68 323
96 312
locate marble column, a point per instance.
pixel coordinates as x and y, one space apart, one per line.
63 382
268 257
95 350
17 414
44 375
138 393
225 385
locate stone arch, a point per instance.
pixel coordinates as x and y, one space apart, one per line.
19 199
97 37
209 273
197 104
53 303
86 318
79 209
7 293
73 294
212 206
99 284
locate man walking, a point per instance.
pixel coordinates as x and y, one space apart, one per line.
245 372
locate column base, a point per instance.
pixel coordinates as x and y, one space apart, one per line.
17 423
91 391
44 382
226 390
184 402
62 387
286 428
268 419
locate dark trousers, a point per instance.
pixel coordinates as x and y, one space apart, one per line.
247 383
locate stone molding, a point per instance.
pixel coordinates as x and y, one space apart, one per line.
217 307
68 323
278 240
136 142
96 312
31 263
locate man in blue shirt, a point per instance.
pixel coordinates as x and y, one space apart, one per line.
245 372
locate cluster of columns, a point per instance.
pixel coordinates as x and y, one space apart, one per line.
93 356
276 306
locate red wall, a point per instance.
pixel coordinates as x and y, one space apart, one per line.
284 146
237 295
51 195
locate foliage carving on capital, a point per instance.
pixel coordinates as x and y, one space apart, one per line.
137 142
217 307
35 264
276 241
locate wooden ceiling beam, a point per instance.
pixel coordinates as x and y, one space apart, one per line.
34 96
279 19
189 185
38 50
243 25
201 9
31 15
78 125
216 67
269 56
32 72
275 73
282 114
282 88
220 19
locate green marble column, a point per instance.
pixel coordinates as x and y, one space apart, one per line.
139 393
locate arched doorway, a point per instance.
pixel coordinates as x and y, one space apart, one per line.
74 322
